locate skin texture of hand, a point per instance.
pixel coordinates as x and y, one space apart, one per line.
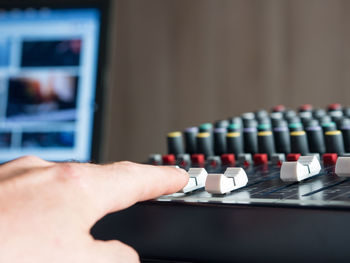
47 209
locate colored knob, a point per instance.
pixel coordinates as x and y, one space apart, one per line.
234 127
279 108
334 142
234 142
264 127
305 107
175 143
266 142
295 126
334 107
204 144
299 142
205 127
282 139
237 121
328 126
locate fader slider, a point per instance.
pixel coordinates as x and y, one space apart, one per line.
305 167
342 167
233 178
196 181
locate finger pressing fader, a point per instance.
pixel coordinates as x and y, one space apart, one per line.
233 178
196 181
305 167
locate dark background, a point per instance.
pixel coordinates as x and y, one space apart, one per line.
177 63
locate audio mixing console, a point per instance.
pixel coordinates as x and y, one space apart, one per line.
264 187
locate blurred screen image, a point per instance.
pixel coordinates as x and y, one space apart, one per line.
48 69
51 53
4 52
48 139
42 97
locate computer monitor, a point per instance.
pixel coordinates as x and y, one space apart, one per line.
49 62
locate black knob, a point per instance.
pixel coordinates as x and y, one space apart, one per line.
299 142
261 114
276 119
346 112
334 142
282 139
205 144
250 135
266 142
234 143
220 141
175 143
222 124
315 139
190 139
319 113
289 114
345 129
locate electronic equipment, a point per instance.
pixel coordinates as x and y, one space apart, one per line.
51 57
264 187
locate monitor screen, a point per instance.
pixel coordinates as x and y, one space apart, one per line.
48 70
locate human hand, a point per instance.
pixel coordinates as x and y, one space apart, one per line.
47 209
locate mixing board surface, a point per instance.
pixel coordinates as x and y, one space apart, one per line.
261 185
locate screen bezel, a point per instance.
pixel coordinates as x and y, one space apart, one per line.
103 7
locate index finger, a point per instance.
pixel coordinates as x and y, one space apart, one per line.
117 186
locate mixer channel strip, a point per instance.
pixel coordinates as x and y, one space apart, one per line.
283 157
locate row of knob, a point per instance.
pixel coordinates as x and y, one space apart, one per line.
229 160
278 132
235 177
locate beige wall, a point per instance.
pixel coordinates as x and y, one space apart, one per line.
175 63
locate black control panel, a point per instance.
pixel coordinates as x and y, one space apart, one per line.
264 186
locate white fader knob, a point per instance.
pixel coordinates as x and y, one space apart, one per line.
305 167
232 179
196 180
342 167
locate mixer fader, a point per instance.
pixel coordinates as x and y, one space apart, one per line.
263 184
